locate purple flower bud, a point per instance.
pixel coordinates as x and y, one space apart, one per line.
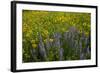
42 50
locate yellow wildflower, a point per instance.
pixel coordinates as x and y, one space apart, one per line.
51 40
86 33
33 41
60 18
34 45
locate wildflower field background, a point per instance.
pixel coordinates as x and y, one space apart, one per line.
55 36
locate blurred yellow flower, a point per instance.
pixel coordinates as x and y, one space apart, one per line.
33 41
86 33
84 24
45 40
63 29
60 18
34 45
45 31
51 40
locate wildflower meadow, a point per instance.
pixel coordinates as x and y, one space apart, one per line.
55 36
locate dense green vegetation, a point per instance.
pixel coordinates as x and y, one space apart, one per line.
54 36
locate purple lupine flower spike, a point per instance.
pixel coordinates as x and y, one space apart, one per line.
81 56
47 44
57 40
61 54
42 50
88 50
81 52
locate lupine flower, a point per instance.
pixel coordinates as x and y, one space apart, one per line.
81 56
65 36
80 44
88 50
70 38
57 37
61 54
47 44
42 50
76 47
